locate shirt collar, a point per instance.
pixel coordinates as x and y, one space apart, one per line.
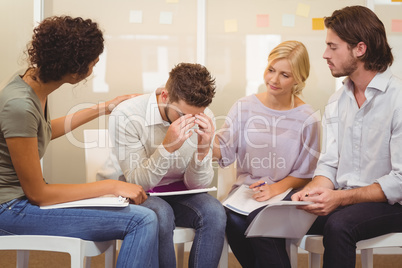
152 114
379 82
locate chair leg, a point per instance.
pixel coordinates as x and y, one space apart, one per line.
224 260
88 262
22 258
110 256
314 260
291 248
180 255
77 259
367 258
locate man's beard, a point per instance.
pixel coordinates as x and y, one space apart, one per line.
347 69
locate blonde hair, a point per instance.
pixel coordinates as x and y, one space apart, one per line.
296 53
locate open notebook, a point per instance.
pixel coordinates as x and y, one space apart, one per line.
242 201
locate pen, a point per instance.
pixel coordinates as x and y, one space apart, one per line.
261 184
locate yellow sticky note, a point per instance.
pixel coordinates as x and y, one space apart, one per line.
262 20
303 10
172 1
396 0
230 26
396 26
318 24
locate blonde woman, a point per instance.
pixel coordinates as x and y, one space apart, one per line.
274 138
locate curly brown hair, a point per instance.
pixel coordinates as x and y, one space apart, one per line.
191 83
64 45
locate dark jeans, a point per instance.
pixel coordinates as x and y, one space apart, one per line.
257 251
341 229
344 227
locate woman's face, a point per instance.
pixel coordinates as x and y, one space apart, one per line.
278 78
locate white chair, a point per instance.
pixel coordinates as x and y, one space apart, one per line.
313 244
97 145
77 248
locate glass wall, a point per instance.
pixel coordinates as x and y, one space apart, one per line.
144 39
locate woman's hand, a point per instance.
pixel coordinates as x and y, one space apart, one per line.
132 191
262 191
107 107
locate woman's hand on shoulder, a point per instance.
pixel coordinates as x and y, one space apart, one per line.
107 107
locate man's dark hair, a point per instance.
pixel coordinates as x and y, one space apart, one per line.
64 45
356 24
191 83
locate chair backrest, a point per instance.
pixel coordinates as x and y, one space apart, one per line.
226 178
97 146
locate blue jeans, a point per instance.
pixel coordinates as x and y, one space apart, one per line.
201 212
135 225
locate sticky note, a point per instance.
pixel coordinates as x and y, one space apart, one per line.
318 24
288 20
303 10
396 0
165 17
135 16
172 1
230 26
262 20
396 26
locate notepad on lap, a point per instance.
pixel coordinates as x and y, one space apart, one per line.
102 201
242 201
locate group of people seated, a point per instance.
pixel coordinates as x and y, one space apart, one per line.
167 141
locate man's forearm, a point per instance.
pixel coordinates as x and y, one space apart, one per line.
371 193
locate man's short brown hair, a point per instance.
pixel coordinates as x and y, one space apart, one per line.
191 83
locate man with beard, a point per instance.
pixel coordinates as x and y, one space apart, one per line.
357 186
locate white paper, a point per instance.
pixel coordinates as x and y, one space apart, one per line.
103 201
242 201
282 219
194 191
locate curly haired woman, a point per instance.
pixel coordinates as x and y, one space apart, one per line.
63 50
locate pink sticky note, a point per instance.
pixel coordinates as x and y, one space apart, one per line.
262 20
396 26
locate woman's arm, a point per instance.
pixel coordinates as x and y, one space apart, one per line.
25 158
216 150
63 125
266 191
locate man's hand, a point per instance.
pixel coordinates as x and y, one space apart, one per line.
205 133
178 132
325 200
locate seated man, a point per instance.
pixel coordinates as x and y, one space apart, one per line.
162 142
357 185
